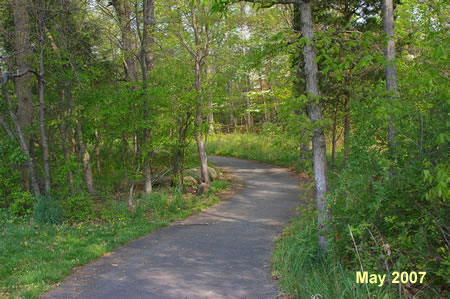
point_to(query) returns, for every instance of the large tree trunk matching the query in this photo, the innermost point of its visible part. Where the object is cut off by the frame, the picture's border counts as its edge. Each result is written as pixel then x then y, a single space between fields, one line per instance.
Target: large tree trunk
pixel 24 58
pixel 389 54
pixel 315 115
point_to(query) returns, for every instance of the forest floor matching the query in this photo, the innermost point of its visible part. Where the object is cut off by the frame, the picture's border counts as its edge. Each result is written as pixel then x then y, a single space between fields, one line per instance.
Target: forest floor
pixel 222 252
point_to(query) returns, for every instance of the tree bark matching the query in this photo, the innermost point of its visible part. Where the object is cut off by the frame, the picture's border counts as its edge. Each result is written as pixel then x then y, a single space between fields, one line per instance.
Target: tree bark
pixel 389 54
pixel 23 144
pixel 44 139
pixel 333 139
pixel 24 58
pixel 198 124
pixel 146 53
pixel 266 114
pixel 315 115
pixel 210 116
pixel 347 125
pixel 123 10
pixel 86 159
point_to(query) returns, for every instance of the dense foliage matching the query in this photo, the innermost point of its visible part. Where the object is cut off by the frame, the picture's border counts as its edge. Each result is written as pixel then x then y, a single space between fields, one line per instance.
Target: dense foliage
pixel 104 100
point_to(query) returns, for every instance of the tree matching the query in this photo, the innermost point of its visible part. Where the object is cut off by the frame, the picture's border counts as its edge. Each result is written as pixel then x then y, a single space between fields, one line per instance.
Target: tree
pixel 389 53
pixel 314 109
pixel 198 18
pixel 24 59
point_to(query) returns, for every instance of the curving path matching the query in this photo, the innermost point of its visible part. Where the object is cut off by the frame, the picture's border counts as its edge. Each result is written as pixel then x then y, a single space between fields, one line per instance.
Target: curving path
pixel 223 252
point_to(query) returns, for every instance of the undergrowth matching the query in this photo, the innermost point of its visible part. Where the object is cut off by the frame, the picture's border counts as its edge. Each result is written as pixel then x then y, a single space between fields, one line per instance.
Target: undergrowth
pixel 34 255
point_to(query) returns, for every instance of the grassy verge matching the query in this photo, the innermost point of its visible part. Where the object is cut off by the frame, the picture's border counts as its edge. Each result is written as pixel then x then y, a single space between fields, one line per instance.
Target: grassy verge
pixel 303 270
pixel 35 256
pixel 256 147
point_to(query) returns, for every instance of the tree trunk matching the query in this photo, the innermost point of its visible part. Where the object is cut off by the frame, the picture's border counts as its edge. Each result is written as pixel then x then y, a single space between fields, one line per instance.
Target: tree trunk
pixel 123 10
pixel 389 54
pixel 266 114
pixel 23 144
pixel 333 139
pixel 210 116
pixel 86 159
pixel 315 115
pixel 44 140
pixel 198 124
pixel 147 42
pixel 24 58
pixel 347 125
pixel 97 154
pixel 248 102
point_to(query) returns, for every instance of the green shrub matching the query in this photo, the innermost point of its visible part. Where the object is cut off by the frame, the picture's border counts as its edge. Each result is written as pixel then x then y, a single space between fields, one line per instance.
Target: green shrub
pixel 47 210
pixel 78 208
pixel 21 203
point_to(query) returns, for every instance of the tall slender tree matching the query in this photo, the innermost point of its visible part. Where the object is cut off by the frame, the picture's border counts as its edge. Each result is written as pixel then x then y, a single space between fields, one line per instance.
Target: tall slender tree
pixel 389 54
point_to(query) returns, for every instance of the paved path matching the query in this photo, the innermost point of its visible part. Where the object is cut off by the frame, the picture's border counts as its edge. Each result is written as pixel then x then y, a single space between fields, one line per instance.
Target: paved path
pixel 223 252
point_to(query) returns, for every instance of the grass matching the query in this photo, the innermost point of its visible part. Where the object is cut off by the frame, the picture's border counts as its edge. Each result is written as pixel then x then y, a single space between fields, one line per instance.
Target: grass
pixel 302 268
pixel 260 148
pixel 305 271
pixel 35 256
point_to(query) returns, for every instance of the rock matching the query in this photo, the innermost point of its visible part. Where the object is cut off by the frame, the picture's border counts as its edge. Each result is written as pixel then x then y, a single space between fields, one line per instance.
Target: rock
pixel 212 173
pixel 165 181
pixel 189 180
pixel 195 172
pixel 203 188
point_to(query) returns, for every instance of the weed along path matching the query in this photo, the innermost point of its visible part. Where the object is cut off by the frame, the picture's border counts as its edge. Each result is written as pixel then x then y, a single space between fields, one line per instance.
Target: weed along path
pixel 223 252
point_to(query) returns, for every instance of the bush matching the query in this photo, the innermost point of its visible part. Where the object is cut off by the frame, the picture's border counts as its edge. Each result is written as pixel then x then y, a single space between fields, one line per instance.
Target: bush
pixel 47 210
pixel 78 208
pixel 21 203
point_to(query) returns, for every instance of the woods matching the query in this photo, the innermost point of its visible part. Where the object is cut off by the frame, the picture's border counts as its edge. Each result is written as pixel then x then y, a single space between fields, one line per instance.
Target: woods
pixel 112 101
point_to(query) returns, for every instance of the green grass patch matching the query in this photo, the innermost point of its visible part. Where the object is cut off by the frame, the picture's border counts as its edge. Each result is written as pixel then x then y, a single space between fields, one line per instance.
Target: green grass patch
pixel 306 271
pixel 34 256
pixel 268 149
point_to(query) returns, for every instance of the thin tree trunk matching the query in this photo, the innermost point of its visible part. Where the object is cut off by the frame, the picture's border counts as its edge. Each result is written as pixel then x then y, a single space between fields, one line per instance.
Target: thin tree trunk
pixel 249 103
pixel 266 115
pixel 198 124
pixel 347 125
pixel 315 115
pixel 124 155
pixel 23 144
pixel 210 116
pixel 86 159
pixel 390 70
pixel 63 133
pixel 44 140
pixel 333 140
pixel 97 154
pixel 232 118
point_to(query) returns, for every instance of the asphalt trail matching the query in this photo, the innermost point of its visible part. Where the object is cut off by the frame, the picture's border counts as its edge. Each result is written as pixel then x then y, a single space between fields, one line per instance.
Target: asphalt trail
pixel 223 252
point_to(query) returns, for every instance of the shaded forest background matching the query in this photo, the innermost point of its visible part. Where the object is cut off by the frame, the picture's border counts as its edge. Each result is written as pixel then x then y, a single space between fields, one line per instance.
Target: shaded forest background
pixel 106 101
